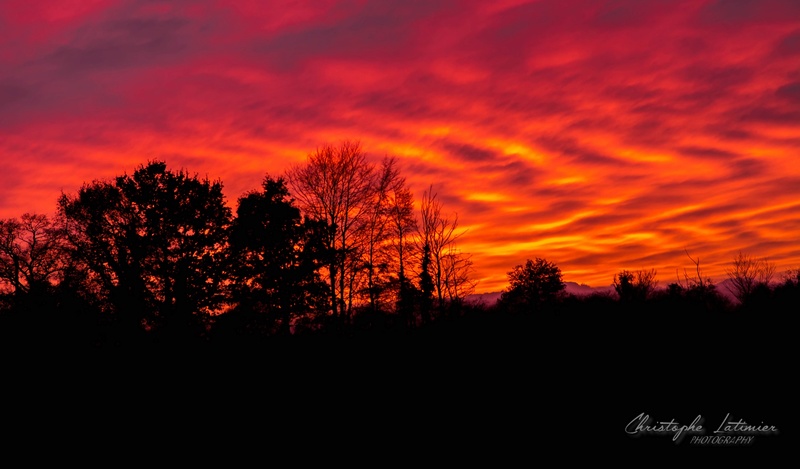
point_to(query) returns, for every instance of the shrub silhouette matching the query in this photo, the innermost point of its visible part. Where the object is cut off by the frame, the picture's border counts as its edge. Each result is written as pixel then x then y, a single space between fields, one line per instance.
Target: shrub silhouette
pixel 635 286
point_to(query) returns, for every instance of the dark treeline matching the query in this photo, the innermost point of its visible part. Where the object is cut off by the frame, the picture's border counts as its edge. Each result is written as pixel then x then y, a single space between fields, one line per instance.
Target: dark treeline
pixel 328 296
pixel 333 248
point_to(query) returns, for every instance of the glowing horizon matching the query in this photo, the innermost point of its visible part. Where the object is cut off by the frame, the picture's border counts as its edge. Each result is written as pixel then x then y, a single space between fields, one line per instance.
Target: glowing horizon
pixel 598 135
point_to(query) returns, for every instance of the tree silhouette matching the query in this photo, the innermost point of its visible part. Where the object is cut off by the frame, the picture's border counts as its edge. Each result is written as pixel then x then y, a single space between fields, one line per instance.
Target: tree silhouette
pixel 337 186
pixel 635 286
pixel 749 277
pixel 33 265
pixel 385 221
pixel 532 286
pixel 437 234
pixel 154 242
pixel 457 274
pixel 276 256
pixel 787 293
pixel 32 253
pixel 695 293
pixel 403 226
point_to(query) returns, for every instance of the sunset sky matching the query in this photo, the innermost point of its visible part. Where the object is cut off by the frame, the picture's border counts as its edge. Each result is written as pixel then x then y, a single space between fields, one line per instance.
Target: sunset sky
pixel 600 135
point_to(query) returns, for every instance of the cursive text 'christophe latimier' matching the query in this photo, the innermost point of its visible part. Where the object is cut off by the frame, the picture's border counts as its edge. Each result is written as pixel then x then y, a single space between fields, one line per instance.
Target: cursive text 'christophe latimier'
pixel 641 425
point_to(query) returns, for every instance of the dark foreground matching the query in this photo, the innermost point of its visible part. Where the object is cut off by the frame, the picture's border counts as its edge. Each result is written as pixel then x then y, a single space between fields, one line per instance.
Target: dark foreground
pixel 497 389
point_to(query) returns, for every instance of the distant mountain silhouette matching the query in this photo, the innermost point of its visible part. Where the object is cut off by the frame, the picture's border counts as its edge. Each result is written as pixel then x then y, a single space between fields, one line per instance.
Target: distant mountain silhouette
pixel 725 288
pixel 573 288
pixel 487 299
pixel 580 289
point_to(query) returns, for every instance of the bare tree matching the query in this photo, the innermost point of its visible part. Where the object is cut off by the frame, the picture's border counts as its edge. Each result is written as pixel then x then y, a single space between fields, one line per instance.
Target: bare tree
pixel 403 226
pixel 437 234
pixel 382 226
pixel 458 272
pixel 337 185
pixel 695 282
pixel 32 252
pixel 747 274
